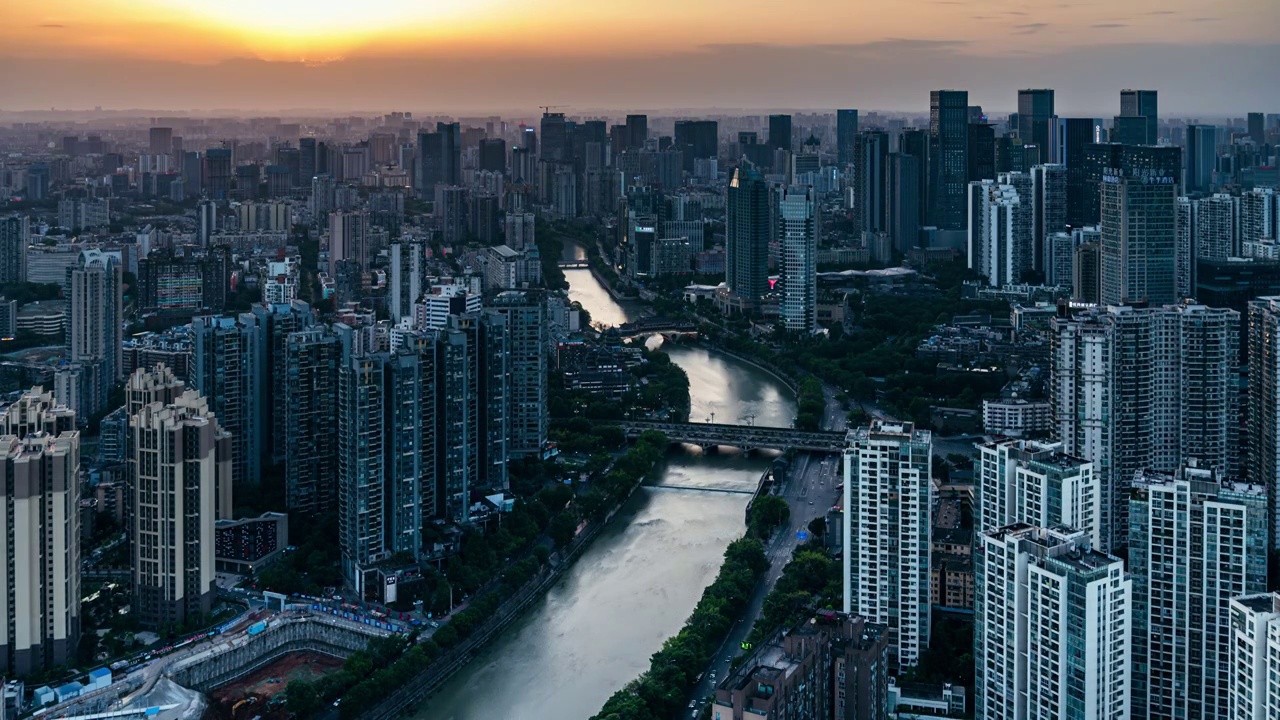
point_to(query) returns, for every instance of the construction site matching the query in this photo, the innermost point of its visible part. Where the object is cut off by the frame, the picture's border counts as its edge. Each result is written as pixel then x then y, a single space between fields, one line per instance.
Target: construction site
pixel 262 692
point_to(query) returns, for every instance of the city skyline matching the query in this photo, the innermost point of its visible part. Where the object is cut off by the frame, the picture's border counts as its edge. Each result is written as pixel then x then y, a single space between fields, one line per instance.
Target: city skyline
pixel 176 54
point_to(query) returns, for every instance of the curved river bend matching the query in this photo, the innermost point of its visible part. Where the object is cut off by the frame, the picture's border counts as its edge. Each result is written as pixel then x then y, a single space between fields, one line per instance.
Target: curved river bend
pixel 635 585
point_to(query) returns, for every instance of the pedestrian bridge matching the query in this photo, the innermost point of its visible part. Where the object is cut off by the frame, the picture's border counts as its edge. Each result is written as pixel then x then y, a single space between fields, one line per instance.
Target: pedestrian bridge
pixel 747 437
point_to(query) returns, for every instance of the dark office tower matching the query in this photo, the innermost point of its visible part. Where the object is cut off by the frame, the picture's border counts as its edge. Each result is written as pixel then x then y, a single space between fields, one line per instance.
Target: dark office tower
pixel 637 132
pixel 982 152
pixel 529 139
pixel 161 140
pixel 1148 159
pixel 1049 187
pixel 291 159
pixel 915 142
pixel 871 161
pixel 493 155
pixel 306 160
pixel 1201 158
pixel 15 233
pixel 1129 130
pixel 780 131
pixel 1072 138
pixel 38 182
pixel 322 158
pixel 903 198
pixel 248 177
pixel 948 158
pixel 526 318
pixel 1035 117
pixel 1258 127
pixel 1139 236
pixel 555 137
pixel 217 175
pixel 746 229
pixel 450 152
pixel 846 136
pixel 1142 103
pixel 697 139
pixel 228 366
pixel 310 382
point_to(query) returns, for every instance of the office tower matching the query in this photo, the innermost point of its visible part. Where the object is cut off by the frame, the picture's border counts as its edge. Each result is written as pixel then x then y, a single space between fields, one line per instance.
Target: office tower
pixel 361 480
pixel 1025 481
pixel 525 314
pixel 1073 137
pixel 161 140
pixel 1049 208
pixel 1139 236
pixel 871 160
pixel 1259 215
pixel 306 160
pixel 181 485
pixel 846 136
pixel 217 173
pixel 798 227
pixel 1052 621
pixel 1202 158
pixel 311 360
pixel 439 157
pixel 948 157
pixel 406 273
pixel 348 238
pixel 903 197
pixel 192 174
pixel 1035 117
pixel 1216 221
pixel 15 233
pixel 1086 282
pixel 493 155
pixel 1257 128
pixel 982 152
pixel 1135 389
pixel 94 315
pixel 696 139
pixel 290 158
pixel 747 236
pixel 1000 222
pixel 229 367
pixel 1255 657
pixel 1129 130
pixel 1102 159
pixel 1264 403
pixel 915 142
pixel 518 231
pixel 780 131
pixel 40 593
pixel 554 132
pixel 888 533
pixel 1142 103
pixel 637 132
pixel 1195 542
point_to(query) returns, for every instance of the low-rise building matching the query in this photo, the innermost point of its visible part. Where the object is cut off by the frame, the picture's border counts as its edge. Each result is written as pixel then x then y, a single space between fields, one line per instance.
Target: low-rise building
pixel 1016 417
pixel 242 546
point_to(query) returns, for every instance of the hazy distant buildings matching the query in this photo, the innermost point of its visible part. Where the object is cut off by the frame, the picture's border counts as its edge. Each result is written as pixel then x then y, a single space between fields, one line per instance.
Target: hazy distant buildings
pixel 846 136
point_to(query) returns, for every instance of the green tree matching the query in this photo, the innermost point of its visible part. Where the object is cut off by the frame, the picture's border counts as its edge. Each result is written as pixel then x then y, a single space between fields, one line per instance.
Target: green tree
pixel 302 698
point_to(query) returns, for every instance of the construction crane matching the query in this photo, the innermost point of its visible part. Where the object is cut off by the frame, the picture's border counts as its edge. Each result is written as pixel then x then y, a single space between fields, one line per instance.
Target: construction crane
pixel 548 108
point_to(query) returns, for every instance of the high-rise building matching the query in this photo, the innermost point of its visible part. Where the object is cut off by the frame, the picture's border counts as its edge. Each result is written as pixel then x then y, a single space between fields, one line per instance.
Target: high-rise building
pixel 1129 130
pixel 1142 103
pixel 1216 223
pixel 1052 621
pixel 407 271
pixel 439 160
pixel 1186 250
pixel 747 236
pixel 493 155
pixel 1086 277
pixel 555 138
pixel 311 360
pixel 161 140
pixel 1101 160
pixel 888 533
pixel 1139 237
pixel 982 152
pixel 1259 215
pixel 1257 128
pixel 696 139
pixel 948 157
pixel 1036 118
pixel 229 367
pixel 518 231
pixel 526 331
pixel 361 460
pixel 1000 223
pixel 903 197
pixel 450 213
pixel 1254 657
pixel 1264 403
pixel 1135 389
pixel 780 132
pixel 15 234
pixel 798 228
pixel 915 142
pixel 1195 542
pixel 1202 158
pixel 1049 208
pixel 180 473
pixel 846 136
pixel 95 305
pixel 1024 481
pixel 348 238
pixel 871 160
pixel 216 174
pixel 40 592
pixel 1072 138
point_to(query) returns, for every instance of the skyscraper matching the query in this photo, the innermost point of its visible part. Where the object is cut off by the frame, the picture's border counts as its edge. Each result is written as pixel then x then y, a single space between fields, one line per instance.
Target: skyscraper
pixel 493 155
pixel 1202 158
pixel 555 138
pixel 1135 389
pixel 1264 403
pixel 846 136
pixel 888 533
pixel 1049 209
pixel 1000 222
pixel 310 410
pixel 696 139
pixel 348 238
pixel 525 314
pixel 439 159
pixel 1217 219
pixel 15 233
pixel 798 228
pixel 982 152
pixel 1102 159
pixel 95 305
pixel 229 367
pixel 1257 128
pixel 1052 621
pixel 747 236
pixel 161 140
pixel 216 173
pixel 1254 657
pixel 180 473
pixel 780 131
pixel 637 131
pixel 1259 215
pixel 40 592
pixel 1139 237
pixel 361 461
pixel 1024 481
pixel 870 180
pixel 407 271
pixel 1195 542
pixel 948 157
pixel 915 142
pixel 1035 118
pixel 903 197
pixel 1073 138
pixel 1142 103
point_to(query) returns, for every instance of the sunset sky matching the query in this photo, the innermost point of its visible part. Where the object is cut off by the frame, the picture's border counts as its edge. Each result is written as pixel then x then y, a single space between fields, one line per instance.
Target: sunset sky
pixel 463 54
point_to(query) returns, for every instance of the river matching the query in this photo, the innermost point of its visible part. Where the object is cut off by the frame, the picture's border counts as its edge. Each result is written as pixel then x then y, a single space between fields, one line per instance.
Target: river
pixel 639 580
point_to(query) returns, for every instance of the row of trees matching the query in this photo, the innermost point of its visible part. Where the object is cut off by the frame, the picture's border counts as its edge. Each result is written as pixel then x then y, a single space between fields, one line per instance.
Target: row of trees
pixel 661 690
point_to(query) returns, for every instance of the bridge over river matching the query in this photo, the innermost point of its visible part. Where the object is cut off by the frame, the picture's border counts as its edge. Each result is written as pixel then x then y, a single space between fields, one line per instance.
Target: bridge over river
pixel 747 437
